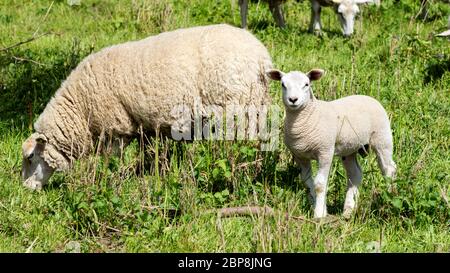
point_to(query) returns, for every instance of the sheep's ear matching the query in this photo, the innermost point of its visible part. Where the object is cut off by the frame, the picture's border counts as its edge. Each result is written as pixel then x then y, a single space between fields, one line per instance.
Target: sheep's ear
pixel 275 74
pixel 40 138
pixel 34 144
pixel 315 74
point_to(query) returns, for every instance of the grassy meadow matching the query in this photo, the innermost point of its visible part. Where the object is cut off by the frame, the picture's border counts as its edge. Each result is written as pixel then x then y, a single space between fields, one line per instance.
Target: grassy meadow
pixel 160 199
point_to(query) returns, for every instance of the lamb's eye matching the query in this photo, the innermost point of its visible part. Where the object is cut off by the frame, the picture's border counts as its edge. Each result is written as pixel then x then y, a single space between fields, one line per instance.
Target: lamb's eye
pixel 307 84
pixel 30 156
pixel 282 84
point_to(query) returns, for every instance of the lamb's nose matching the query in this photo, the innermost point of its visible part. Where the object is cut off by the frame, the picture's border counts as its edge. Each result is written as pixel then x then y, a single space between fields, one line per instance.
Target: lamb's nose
pixel 293 100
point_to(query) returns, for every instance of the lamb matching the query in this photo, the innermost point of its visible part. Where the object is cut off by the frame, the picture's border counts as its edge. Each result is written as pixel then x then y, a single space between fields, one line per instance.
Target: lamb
pixel 274 6
pixel 345 9
pixel 315 129
pixel 132 87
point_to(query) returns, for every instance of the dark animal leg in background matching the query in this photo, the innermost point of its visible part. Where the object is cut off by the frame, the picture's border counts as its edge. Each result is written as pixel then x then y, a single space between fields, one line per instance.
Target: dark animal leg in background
pixel 243 5
pixel 275 8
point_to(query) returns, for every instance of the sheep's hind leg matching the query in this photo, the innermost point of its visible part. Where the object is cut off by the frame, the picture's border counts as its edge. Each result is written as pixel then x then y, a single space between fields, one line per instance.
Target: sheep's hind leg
pixel 320 185
pixel 307 177
pixel 354 175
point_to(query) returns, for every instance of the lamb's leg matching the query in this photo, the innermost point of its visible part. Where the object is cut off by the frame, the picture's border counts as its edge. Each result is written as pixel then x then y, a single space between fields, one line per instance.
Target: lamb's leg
pixel 387 164
pixel 354 174
pixel 307 177
pixel 320 185
pixel 275 8
pixel 243 4
pixel 383 147
pixel 385 161
pixel 315 24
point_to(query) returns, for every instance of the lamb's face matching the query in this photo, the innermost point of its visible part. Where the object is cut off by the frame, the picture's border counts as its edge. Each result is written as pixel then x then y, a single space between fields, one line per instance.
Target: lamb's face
pixel 296 86
pixel 35 171
pixel 296 90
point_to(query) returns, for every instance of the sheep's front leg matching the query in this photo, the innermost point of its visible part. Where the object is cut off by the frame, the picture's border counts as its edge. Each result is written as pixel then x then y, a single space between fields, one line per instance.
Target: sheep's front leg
pixel 243 4
pixel 320 185
pixel 315 24
pixel 307 177
pixel 354 174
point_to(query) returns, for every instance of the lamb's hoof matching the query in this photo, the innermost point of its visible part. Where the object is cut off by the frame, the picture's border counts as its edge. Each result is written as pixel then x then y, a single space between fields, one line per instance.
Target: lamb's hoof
pixel 328 219
pixel 392 188
pixel 347 214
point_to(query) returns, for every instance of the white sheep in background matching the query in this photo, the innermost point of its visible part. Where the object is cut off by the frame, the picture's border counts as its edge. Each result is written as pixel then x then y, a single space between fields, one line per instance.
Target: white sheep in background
pixel 113 93
pixel 447 32
pixel 274 6
pixel 345 9
pixel 315 129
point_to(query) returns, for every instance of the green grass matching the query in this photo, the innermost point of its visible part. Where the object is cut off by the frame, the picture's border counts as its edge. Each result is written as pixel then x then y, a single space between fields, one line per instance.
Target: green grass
pixel 104 204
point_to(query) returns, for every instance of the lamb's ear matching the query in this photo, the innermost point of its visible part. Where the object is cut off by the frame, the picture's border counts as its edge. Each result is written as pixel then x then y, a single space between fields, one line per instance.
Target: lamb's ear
pixel 315 74
pixel 274 74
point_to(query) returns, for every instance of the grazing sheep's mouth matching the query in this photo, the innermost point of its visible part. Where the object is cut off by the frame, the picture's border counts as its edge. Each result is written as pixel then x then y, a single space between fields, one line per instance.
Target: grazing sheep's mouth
pixel 32 184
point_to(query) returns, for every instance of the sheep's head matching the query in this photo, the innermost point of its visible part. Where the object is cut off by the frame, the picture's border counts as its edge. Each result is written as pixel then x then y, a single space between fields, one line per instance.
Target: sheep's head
pixel 36 164
pixel 296 86
pixel 347 10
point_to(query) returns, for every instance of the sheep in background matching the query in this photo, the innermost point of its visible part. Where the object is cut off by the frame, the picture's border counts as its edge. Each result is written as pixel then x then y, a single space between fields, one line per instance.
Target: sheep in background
pixel 345 9
pixel 315 129
pixel 115 92
pixel 447 32
pixel 274 6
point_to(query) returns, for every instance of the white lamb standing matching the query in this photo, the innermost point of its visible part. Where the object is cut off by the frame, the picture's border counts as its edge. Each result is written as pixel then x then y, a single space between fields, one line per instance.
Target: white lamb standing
pixel 120 89
pixel 315 129
pixel 345 9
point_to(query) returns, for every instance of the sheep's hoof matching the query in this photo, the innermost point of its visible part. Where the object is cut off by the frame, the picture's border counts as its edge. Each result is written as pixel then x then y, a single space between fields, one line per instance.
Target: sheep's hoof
pixel 33 185
pixel 317 32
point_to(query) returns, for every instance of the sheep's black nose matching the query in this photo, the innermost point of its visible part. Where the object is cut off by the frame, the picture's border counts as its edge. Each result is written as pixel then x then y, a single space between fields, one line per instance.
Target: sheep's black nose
pixel 293 100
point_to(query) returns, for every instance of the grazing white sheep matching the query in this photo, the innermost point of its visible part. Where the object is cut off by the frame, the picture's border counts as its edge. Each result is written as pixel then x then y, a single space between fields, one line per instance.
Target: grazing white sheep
pixel 122 88
pixel 315 129
pixel 345 9
pixel 274 6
